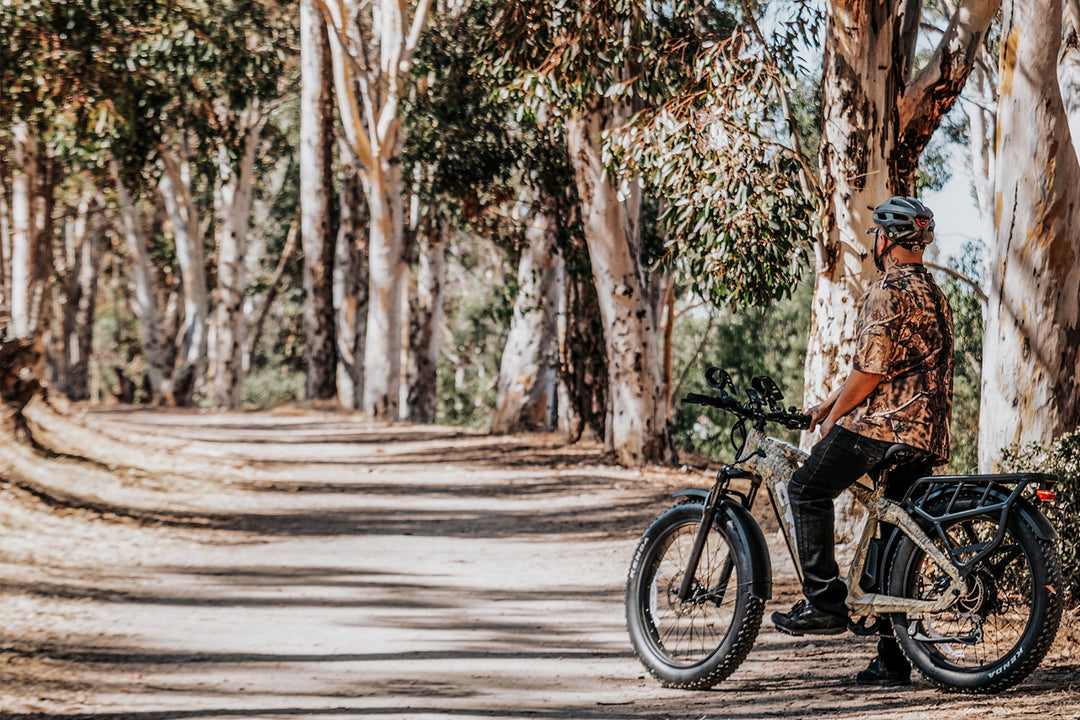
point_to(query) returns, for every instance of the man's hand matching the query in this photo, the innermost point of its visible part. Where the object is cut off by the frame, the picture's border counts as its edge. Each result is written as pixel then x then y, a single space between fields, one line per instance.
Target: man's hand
pixel 818 413
pixel 855 389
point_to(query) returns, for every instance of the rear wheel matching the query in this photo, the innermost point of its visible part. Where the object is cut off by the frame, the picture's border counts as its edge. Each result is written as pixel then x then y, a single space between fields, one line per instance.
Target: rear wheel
pixel 998 631
pixel 696 643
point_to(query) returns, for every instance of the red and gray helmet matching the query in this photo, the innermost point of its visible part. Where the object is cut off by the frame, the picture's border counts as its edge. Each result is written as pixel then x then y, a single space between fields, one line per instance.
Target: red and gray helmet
pixel 904 221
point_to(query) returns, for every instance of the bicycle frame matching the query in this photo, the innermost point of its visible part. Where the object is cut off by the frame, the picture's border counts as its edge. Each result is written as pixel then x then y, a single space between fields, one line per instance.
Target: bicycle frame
pixel 773 461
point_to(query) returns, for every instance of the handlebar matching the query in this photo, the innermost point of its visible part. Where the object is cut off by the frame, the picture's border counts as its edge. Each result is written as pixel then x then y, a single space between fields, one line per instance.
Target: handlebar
pixel 765 390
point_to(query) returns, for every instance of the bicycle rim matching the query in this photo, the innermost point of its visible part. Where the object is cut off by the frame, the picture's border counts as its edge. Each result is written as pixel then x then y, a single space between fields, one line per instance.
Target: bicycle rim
pixel 686 633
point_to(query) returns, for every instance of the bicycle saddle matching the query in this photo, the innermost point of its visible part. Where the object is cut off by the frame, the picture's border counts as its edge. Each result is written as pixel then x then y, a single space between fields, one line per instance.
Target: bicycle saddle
pixel 901 454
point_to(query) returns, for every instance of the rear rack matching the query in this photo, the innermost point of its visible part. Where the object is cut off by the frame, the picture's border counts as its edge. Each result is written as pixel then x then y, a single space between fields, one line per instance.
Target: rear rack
pixel 941 500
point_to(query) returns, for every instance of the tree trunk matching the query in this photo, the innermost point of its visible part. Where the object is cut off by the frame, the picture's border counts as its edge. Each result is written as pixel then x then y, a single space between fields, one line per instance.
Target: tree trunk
pixel 583 373
pixel 350 286
pixel 145 302
pixel 527 397
pixel 1031 346
pixel 316 164
pixel 23 241
pixel 876 120
pixel 175 185
pixel 84 256
pixel 1068 69
pixel 271 292
pixel 639 430
pixel 234 203
pixel 382 345
pixel 859 128
pixel 368 103
pixel 425 319
pixel 5 250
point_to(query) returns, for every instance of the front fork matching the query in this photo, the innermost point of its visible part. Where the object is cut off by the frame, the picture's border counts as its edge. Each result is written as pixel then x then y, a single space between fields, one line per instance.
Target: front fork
pixel 707 515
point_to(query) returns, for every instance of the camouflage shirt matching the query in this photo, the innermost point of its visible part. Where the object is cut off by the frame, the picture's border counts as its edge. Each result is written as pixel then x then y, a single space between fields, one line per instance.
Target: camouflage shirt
pixel 906 336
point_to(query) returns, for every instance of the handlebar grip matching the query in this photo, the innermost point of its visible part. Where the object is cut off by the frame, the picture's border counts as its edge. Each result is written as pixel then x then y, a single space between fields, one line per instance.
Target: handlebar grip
pixel 696 399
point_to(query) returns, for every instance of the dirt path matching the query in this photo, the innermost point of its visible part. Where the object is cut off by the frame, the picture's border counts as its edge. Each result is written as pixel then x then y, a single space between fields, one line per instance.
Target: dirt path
pixel 336 569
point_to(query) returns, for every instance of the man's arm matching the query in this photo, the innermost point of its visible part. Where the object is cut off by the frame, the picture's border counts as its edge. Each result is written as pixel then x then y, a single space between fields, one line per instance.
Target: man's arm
pixel 855 389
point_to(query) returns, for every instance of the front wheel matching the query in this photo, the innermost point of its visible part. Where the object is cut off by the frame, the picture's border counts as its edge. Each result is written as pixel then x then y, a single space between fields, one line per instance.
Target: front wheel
pixel 696 643
pixel 1000 628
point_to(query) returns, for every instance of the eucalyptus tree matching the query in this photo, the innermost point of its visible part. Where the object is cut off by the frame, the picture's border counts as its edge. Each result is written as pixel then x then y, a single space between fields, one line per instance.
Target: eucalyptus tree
pixel 589 67
pixel 373 47
pixel 476 169
pixel 1031 350
pixel 1068 69
pixel 879 110
pixel 316 168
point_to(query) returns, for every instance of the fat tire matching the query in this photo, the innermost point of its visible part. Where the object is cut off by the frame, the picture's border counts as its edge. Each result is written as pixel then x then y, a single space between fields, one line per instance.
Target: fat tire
pixel 742 631
pixel 1038 634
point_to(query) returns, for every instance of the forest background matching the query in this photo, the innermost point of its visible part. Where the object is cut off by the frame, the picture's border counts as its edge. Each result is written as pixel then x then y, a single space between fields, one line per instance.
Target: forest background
pixel 532 215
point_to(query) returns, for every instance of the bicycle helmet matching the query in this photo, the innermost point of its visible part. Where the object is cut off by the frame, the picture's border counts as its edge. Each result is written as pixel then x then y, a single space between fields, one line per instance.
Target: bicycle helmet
pixel 904 221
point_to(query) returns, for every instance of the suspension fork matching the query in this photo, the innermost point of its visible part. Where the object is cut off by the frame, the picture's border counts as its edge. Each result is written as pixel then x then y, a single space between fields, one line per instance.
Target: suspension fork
pixel 708 514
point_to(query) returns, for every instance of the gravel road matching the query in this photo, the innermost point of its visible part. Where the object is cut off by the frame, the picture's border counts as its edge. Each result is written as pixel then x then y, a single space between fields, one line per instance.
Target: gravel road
pixel 332 568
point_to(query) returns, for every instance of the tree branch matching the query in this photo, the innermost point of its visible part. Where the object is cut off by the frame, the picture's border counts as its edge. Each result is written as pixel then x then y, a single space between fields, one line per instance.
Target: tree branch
pixel 933 90
pixel 806 180
pixel 344 65
pixel 957 275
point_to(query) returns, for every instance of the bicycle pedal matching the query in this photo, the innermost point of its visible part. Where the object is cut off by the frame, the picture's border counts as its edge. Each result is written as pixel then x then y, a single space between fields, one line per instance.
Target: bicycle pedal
pixel 866 626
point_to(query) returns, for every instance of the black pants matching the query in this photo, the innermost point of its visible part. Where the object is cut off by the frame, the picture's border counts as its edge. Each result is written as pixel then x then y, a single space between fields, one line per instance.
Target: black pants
pixel 835 463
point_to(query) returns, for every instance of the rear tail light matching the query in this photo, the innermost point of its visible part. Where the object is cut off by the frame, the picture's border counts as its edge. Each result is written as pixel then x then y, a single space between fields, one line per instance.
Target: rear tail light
pixel 1046 495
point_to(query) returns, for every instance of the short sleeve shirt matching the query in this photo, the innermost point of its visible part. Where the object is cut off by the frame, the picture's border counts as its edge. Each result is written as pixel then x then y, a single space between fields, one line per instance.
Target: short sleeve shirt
pixel 906 336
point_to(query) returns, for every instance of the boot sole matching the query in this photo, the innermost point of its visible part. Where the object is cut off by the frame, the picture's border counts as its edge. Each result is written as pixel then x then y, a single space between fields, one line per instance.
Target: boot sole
pixel 800 633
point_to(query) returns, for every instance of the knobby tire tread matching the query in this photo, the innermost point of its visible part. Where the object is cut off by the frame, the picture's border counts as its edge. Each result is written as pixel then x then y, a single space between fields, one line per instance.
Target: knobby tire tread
pixel 1034 650
pixel 1041 645
pixel 744 641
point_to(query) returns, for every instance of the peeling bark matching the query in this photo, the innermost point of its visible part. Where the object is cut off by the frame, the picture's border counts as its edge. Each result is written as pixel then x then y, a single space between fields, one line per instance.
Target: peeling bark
pixel 1031 346
pixel 175 187
pixel 1068 70
pixel 316 162
pixel 876 121
pixel 527 397
pixel 350 286
pixel 234 195
pixel 638 426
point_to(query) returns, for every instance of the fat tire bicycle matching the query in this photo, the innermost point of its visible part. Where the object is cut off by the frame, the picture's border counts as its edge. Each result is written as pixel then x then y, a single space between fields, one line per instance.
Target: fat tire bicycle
pixel 964 567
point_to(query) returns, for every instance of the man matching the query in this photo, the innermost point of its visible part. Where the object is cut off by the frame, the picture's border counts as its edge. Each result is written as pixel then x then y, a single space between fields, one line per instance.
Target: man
pixel 899 391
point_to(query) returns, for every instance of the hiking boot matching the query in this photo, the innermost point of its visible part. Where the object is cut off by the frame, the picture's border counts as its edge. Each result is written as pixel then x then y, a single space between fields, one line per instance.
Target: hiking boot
pixel 805 619
pixel 880 674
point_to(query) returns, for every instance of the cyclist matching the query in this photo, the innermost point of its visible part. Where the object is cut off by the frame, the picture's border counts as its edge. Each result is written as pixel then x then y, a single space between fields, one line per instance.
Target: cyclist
pixel 899 391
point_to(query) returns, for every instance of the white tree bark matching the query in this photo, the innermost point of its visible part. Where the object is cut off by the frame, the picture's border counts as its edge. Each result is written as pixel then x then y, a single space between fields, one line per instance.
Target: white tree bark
pixel 175 186
pixel 382 344
pixel 877 118
pixel 527 392
pixel 316 138
pixel 1068 70
pixel 145 304
pixel 638 425
pixel 23 240
pixel 1031 347
pixel 368 71
pixel 234 206
pixel 350 286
